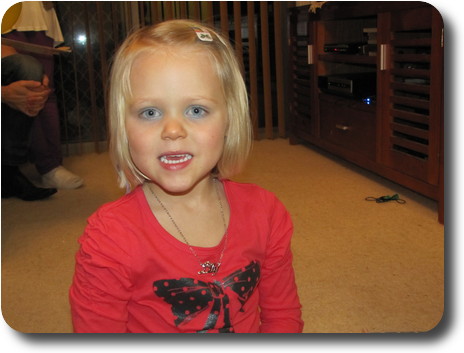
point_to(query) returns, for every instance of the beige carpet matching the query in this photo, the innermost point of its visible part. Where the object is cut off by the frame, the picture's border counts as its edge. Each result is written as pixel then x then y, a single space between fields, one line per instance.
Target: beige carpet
pixel 360 266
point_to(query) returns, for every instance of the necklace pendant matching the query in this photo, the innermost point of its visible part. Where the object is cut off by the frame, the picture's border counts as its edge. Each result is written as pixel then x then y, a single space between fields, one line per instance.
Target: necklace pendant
pixel 208 268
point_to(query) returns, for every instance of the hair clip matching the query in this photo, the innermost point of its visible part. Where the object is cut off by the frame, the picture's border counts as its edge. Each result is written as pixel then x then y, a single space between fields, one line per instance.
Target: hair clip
pixel 203 34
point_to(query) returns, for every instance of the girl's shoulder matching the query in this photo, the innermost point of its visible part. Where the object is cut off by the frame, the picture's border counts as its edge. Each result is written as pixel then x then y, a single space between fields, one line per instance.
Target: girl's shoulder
pixel 126 205
pixel 249 191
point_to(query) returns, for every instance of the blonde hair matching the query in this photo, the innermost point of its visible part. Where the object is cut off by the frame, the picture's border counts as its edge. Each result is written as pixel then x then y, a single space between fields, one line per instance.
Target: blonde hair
pixel 237 143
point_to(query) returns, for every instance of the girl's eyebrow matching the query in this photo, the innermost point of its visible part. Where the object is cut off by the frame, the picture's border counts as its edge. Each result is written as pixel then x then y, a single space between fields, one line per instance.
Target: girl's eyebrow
pixel 200 98
pixel 143 100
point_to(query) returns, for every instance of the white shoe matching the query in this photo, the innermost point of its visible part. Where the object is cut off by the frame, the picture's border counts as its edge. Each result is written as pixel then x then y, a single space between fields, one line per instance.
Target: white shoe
pixel 61 178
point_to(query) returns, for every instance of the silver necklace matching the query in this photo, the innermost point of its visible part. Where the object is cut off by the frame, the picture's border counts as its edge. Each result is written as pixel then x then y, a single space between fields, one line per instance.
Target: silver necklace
pixel 207 267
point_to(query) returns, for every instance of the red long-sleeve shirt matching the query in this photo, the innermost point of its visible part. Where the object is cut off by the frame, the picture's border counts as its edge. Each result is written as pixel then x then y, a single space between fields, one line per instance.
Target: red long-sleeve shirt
pixel 133 276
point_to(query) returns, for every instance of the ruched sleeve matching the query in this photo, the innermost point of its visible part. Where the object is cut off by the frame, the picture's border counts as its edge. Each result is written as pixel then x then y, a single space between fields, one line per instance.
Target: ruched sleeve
pixel 102 280
pixel 279 302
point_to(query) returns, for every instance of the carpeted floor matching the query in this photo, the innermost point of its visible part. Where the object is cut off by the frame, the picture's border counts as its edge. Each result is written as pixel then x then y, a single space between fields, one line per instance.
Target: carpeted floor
pixel 360 266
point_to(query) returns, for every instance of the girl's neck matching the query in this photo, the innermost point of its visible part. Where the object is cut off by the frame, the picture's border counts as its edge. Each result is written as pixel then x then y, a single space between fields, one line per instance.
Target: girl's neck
pixel 201 192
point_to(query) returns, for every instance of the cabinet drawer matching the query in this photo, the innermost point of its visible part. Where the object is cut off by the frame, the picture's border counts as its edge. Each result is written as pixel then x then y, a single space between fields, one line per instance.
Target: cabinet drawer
pixel 343 123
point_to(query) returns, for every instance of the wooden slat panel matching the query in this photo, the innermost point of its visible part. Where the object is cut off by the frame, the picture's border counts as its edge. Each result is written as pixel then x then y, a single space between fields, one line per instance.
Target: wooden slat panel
pixel 412 58
pixel 436 96
pixel 280 80
pixel 302 82
pixel 141 13
pixel 303 111
pixel 115 22
pixel 301 52
pixel 92 88
pixel 409 130
pixel 412 20
pixel 411 73
pixel 194 10
pixel 76 86
pixel 302 101
pixel 408 87
pixel 410 145
pixel 183 8
pixel 224 19
pixel 411 42
pixel 301 62
pixel 410 102
pixel 155 12
pixel 414 117
pixel 207 12
pixel 238 31
pixel 127 23
pixel 134 15
pixel 253 78
pixel 301 71
pixel 268 128
pixel 301 115
pixel 103 59
pixel 168 10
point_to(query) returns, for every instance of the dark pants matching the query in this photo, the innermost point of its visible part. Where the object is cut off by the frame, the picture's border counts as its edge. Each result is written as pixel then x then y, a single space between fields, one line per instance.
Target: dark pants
pixel 45 151
pixel 17 126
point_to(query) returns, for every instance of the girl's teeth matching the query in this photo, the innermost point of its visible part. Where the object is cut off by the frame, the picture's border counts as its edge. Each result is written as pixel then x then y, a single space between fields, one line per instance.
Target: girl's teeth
pixel 175 159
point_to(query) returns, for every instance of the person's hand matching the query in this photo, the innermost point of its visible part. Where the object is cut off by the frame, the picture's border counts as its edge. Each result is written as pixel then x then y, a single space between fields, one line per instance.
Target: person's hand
pixel 28 97
pixel 45 81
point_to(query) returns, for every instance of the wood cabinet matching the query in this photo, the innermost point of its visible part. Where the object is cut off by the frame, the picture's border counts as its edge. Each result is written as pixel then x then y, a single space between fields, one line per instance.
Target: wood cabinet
pixel 394 126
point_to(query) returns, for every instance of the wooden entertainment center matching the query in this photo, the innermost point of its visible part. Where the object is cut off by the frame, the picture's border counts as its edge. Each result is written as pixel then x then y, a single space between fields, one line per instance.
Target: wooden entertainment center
pixel 394 129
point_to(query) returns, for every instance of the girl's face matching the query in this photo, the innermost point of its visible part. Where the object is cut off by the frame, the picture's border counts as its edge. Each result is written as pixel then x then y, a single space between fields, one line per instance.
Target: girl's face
pixel 177 118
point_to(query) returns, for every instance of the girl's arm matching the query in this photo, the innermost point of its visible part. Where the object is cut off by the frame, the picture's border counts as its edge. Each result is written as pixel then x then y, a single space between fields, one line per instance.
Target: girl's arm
pixel 101 284
pixel 279 302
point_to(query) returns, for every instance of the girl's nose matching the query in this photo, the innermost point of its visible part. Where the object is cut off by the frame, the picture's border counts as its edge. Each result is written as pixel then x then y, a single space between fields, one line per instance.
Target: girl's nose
pixel 173 129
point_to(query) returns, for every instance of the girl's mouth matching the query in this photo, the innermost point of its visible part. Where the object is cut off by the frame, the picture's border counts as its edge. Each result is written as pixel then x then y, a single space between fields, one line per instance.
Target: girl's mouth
pixel 173 159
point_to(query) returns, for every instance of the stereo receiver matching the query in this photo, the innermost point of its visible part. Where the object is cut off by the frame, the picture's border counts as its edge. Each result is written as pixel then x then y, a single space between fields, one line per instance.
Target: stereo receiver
pixel 359 85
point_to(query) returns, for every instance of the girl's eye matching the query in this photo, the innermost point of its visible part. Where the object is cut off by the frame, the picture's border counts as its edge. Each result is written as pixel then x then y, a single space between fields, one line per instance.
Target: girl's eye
pixel 150 113
pixel 196 112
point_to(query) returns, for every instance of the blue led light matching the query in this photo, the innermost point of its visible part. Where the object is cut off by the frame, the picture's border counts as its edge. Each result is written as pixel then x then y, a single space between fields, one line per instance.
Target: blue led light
pixel 369 100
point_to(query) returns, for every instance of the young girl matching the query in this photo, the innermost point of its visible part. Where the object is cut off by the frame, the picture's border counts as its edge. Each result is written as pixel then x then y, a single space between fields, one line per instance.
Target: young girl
pixel 187 250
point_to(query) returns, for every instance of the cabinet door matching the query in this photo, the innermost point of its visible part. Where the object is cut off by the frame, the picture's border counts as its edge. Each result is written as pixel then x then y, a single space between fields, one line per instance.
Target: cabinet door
pixel 348 124
pixel 301 80
pixel 411 71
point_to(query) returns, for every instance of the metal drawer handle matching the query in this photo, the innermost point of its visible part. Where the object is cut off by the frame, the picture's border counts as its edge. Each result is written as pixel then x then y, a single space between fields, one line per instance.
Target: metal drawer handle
pixel 310 54
pixel 342 127
pixel 383 57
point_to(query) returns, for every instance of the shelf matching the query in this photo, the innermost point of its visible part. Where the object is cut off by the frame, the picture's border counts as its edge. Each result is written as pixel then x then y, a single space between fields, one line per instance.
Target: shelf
pixel 349 59
pixel 353 103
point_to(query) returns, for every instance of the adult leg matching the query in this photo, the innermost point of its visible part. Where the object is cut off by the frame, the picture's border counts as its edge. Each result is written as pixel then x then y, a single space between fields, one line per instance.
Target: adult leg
pixel 16 131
